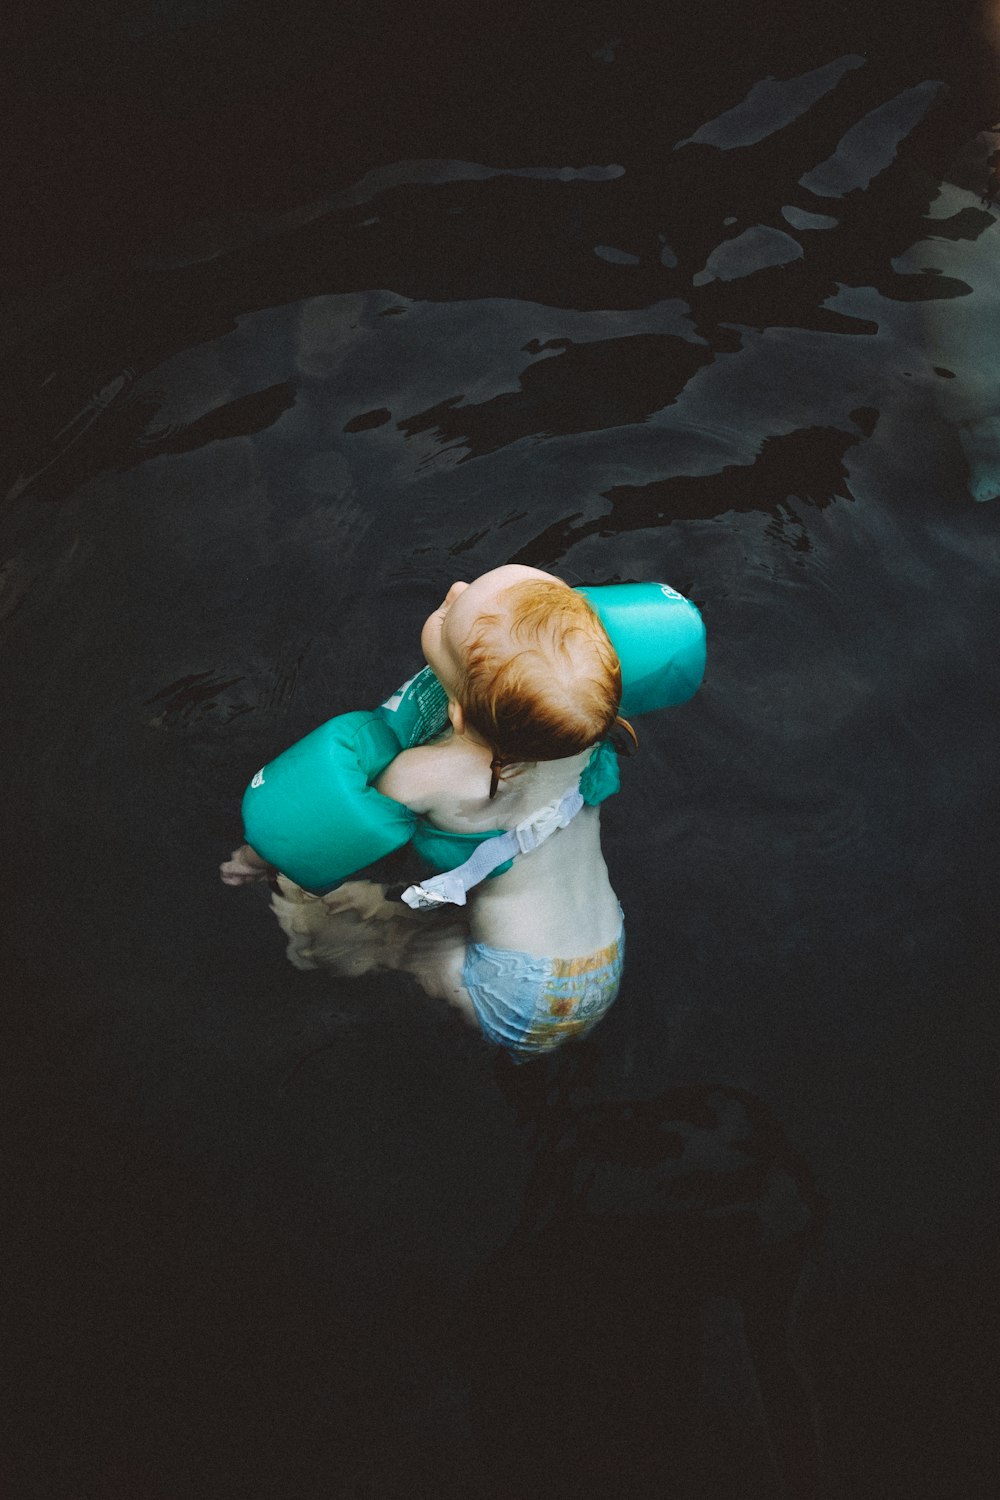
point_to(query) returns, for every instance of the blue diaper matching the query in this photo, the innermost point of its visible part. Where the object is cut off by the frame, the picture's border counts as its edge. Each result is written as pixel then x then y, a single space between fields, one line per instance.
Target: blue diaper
pixel 530 1005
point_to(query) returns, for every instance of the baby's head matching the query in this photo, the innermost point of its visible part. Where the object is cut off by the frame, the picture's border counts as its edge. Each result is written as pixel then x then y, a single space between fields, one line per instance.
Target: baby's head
pixel 526 663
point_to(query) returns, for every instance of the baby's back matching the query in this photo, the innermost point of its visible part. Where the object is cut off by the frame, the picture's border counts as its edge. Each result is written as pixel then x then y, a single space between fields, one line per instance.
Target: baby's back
pixel 556 901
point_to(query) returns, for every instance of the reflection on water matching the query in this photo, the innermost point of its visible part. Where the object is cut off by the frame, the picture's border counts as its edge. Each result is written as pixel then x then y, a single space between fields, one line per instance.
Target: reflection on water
pixel 752 355
pixel 770 105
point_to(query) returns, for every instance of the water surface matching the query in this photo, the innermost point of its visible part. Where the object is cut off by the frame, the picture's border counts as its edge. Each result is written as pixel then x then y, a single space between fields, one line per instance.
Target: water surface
pixel 725 322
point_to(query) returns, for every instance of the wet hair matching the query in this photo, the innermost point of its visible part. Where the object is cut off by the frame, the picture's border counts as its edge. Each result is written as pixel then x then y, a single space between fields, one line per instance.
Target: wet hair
pixel 541 680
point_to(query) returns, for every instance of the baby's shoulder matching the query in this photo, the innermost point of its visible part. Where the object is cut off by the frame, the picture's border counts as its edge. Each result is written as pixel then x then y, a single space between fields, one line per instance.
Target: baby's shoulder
pixel 420 777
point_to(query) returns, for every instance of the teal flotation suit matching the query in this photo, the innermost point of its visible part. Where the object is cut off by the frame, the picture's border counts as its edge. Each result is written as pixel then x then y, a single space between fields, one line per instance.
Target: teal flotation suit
pixel 314 813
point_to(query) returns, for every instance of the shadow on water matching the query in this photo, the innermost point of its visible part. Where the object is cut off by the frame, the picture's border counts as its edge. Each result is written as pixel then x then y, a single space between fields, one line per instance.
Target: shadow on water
pixel 636 1333
pixel 669 295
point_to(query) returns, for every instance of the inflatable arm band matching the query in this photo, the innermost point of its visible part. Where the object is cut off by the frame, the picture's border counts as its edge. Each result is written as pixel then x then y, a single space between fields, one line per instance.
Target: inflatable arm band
pixel 660 640
pixel 313 811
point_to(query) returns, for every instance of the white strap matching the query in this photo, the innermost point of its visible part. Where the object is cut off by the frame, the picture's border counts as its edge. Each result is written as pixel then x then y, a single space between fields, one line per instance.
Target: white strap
pixel 450 888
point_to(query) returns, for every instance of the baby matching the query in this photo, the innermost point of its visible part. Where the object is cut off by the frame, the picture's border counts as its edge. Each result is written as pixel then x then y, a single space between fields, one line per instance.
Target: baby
pixel 533 685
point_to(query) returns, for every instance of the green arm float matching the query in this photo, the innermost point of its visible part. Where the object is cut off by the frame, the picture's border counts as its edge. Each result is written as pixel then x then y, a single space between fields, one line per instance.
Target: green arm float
pixel 660 640
pixel 313 811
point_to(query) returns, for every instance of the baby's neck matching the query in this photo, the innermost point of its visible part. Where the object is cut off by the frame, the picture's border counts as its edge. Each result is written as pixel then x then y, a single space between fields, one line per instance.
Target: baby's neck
pixel 543 778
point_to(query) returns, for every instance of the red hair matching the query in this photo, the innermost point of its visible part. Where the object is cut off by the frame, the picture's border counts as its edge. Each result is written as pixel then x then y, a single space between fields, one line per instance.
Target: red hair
pixel 541 680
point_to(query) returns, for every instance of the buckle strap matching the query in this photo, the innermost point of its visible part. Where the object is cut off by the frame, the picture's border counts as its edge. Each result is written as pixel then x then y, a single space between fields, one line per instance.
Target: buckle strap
pixel 531 832
pixel 450 888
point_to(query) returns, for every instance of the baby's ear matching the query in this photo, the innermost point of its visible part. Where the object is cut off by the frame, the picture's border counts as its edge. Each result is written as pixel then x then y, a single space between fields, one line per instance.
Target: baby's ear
pixel 457 716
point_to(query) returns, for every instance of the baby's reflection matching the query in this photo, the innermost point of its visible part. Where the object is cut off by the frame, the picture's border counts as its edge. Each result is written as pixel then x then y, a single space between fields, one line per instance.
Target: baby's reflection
pixel 357 930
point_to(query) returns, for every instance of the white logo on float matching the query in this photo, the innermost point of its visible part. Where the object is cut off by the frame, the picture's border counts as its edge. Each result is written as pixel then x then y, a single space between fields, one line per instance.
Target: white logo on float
pixel 669 593
pixel 259 778
pixel 393 703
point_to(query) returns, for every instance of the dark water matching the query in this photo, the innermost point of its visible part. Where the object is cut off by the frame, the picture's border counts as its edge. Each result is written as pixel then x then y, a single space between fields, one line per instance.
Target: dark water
pixel 307 315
